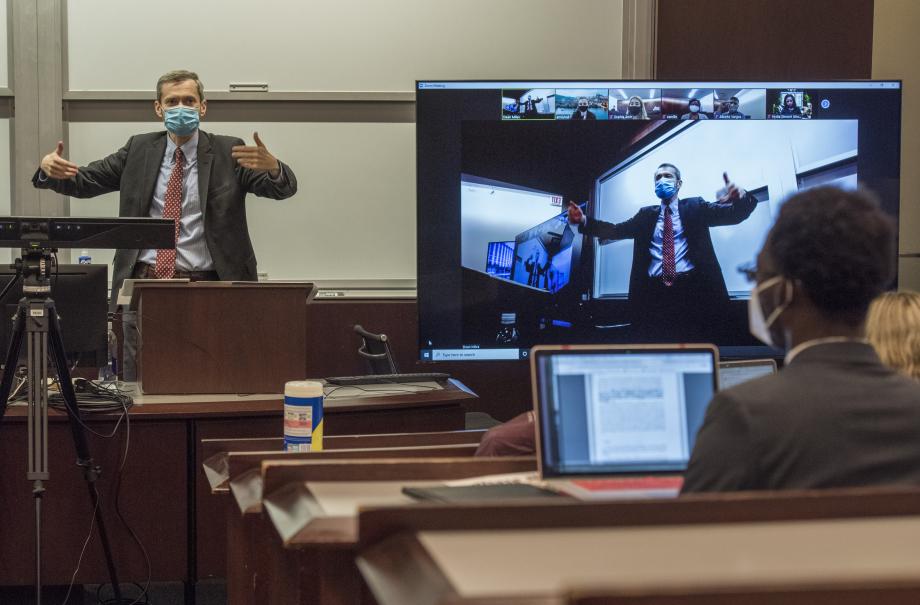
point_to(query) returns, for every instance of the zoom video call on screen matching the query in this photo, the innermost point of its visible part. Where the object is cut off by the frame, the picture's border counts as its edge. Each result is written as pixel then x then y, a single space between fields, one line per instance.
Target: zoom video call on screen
pixel 500 269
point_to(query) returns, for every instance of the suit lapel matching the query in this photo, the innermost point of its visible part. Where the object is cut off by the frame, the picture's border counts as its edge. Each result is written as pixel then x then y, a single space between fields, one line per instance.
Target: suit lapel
pixel 652 218
pixel 153 159
pixel 204 170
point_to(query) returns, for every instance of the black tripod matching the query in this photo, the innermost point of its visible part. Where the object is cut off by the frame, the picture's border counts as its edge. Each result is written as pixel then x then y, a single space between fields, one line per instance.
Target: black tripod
pixel 36 320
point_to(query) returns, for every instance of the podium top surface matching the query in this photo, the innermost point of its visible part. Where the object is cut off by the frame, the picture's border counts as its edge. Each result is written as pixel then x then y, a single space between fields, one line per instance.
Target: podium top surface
pixel 132 289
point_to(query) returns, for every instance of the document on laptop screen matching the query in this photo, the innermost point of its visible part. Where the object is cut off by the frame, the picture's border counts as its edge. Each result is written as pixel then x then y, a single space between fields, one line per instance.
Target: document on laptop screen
pixel 635 415
pixel 638 409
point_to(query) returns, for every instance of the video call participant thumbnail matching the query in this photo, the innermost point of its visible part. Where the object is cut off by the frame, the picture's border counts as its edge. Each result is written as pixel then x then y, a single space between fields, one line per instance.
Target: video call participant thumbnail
pixel 730 111
pixel 676 288
pixel 791 105
pixel 635 104
pixel 582 111
pixel 835 415
pixel 694 111
pixel 529 104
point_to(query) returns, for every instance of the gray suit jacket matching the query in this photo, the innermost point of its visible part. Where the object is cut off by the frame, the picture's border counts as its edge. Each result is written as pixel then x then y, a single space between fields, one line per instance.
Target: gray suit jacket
pixel 222 184
pixel 834 417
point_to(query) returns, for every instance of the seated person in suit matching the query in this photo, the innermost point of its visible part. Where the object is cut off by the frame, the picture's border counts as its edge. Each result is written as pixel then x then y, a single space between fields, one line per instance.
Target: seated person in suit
pixel 893 328
pixel 196 178
pixel 835 415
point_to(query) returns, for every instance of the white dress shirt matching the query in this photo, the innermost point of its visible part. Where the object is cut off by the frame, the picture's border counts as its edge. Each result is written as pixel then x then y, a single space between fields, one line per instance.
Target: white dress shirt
pixel 682 263
pixel 192 248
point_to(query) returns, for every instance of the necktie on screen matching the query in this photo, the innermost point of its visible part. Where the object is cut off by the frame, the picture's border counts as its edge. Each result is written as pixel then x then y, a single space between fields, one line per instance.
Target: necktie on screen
pixel 172 208
pixel 668 264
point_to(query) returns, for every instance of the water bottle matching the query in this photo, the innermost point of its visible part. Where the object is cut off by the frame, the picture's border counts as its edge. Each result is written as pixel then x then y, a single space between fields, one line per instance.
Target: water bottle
pixel 85 258
pixel 109 372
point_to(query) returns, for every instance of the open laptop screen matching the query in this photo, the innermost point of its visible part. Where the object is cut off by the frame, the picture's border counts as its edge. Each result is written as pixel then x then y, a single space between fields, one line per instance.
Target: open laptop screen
pixel 732 373
pixel 620 410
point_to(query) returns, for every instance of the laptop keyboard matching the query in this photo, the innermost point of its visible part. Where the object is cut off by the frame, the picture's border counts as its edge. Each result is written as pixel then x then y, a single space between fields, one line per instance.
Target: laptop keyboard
pixel 629 483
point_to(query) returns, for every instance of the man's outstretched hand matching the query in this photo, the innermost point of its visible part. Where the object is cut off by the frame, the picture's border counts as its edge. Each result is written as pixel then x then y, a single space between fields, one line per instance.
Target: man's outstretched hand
pixel 576 216
pixel 256 157
pixel 56 166
pixel 732 191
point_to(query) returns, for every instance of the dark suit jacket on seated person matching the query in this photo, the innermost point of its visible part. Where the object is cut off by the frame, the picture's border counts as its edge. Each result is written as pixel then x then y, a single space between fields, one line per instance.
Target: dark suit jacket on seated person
pixel 835 416
pixel 696 217
pixel 222 183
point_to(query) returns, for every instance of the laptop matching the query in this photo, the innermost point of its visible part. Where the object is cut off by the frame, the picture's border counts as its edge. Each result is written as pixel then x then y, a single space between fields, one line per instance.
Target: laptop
pixel 611 421
pixel 732 373
pixel 619 421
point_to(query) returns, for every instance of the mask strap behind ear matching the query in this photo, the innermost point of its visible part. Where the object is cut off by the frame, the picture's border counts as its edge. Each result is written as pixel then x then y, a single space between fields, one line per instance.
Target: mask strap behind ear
pixel 789 293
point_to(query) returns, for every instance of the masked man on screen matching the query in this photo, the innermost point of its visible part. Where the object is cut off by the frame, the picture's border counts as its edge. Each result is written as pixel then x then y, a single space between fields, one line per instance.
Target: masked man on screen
pixel 676 288
pixel 196 178
pixel 582 112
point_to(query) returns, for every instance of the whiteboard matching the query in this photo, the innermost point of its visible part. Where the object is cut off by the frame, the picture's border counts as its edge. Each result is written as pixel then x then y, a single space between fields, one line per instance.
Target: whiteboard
pixel 353 216
pixel 4 46
pixel 361 45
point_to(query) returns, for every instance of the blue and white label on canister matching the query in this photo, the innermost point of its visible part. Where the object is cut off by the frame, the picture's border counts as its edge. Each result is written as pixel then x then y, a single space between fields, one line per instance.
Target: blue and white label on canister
pixel 303 416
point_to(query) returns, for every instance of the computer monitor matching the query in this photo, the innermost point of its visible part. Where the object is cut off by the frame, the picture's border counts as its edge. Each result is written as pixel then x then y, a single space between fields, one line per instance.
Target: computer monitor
pixel 498 161
pixel 80 294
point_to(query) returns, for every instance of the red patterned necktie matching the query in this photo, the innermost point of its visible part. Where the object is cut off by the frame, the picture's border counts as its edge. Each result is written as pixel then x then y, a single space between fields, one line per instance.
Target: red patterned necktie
pixel 172 208
pixel 668 264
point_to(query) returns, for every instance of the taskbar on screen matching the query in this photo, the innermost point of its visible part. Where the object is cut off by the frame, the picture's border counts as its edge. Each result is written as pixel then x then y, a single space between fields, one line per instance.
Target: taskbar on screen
pixel 473 354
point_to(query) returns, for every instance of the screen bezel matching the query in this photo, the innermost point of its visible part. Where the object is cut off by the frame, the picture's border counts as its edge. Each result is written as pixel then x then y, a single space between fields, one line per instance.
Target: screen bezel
pixel 540 352
pixel 727 351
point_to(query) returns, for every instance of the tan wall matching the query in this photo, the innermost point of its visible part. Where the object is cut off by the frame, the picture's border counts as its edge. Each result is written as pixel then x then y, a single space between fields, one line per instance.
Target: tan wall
pixel 896 54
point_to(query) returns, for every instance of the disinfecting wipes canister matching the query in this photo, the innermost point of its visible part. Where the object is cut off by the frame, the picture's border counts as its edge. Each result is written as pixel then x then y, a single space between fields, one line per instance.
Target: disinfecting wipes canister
pixel 303 416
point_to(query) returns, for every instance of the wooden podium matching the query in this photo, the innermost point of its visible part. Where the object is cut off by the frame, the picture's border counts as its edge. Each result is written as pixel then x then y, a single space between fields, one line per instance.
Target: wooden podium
pixel 220 337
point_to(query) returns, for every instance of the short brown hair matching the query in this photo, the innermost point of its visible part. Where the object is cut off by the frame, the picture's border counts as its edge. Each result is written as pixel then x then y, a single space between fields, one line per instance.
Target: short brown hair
pixel 893 328
pixel 179 75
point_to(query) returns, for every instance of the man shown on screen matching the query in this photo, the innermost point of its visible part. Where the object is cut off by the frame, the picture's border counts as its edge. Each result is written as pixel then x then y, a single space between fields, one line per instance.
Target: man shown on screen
pixel 695 113
pixel 581 112
pixel 732 113
pixel 196 178
pixel 676 286
pixel 530 106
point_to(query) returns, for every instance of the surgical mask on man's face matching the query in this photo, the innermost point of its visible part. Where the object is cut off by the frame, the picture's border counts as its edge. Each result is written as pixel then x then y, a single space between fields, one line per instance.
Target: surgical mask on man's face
pixel 582 108
pixel 665 188
pixel 694 108
pixel 181 121
pixel 758 325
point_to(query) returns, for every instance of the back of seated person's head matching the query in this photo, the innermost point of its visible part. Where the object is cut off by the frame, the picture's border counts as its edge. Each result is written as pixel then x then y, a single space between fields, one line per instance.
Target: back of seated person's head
pixel 835 251
pixel 893 328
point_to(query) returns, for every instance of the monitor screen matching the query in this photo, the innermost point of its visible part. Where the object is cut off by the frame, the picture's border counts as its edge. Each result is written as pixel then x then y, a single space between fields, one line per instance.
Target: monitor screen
pixel 500 269
pixel 611 411
pixel 80 294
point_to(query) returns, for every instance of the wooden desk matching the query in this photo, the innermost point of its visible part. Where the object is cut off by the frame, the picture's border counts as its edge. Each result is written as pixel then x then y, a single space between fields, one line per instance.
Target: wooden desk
pixel 314 560
pixel 216 452
pixel 907 593
pixel 538 553
pixel 164 490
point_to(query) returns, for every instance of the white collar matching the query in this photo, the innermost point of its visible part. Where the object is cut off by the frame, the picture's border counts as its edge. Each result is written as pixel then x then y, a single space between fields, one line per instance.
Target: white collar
pixel 794 351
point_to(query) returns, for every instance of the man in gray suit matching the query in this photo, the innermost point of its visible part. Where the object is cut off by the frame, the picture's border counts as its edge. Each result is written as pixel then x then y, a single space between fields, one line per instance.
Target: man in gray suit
pixel 834 416
pixel 197 178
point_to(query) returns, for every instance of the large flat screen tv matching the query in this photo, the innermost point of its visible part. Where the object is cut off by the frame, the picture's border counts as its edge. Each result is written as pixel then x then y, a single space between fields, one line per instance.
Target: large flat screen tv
pixel 499 267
